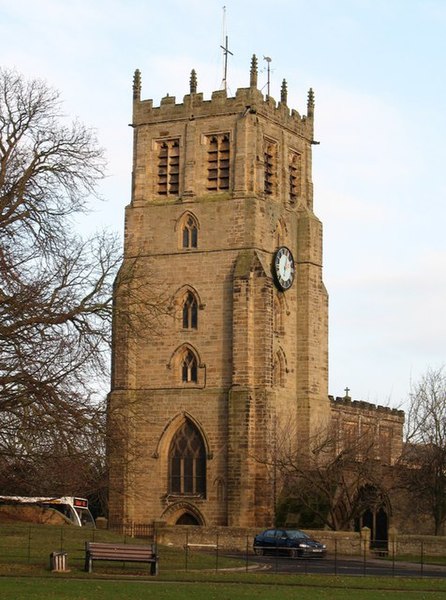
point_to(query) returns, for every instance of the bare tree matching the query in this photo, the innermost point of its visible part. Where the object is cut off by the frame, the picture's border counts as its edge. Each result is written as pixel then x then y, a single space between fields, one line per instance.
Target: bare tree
pixel 424 460
pixel 329 486
pixel 56 298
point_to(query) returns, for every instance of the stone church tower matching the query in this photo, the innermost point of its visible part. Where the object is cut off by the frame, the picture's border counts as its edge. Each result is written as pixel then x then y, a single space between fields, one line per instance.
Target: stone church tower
pixel 221 221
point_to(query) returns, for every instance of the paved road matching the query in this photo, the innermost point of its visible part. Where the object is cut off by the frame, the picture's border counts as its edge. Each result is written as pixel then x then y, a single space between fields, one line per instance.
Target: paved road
pixel 346 566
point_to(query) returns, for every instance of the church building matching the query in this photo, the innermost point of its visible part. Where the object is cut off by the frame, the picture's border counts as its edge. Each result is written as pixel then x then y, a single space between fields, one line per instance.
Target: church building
pixel 221 224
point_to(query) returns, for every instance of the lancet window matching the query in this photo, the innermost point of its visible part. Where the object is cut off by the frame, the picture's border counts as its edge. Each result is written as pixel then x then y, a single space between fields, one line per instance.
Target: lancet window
pixel 189 367
pixel 189 232
pixel 190 311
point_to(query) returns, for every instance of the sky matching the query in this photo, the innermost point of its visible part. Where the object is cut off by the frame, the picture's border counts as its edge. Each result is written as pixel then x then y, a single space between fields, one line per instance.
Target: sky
pixel 377 69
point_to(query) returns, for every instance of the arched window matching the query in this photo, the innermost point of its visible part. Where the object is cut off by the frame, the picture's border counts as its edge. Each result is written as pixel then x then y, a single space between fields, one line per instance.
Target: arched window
pixel 190 233
pixel 190 312
pixel 189 368
pixel 187 461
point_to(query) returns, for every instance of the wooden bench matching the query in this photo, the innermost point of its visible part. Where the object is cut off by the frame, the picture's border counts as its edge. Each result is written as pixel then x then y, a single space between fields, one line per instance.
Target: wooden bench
pixel 121 553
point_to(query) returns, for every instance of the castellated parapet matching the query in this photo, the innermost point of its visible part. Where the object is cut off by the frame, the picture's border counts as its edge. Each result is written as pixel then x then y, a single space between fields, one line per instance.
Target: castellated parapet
pixel 246 101
pixel 382 426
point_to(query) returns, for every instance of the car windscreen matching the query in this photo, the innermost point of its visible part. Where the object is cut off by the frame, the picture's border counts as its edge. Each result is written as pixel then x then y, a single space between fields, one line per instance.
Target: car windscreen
pixel 295 533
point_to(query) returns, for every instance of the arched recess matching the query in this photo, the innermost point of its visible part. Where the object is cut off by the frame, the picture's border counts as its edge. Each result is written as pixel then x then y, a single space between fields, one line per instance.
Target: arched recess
pixel 279 368
pixel 187 227
pixel 186 365
pixel 374 513
pixel 281 232
pixel 279 314
pixel 220 487
pixel 183 513
pixel 187 305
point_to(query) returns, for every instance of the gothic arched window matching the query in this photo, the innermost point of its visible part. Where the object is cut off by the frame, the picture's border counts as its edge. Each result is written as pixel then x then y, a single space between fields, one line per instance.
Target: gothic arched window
pixel 190 312
pixel 189 232
pixel 187 461
pixel 189 367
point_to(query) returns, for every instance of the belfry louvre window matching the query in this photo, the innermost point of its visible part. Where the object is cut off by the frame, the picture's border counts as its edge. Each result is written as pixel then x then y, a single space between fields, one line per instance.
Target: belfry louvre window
pixel 168 167
pixel 218 162
pixel 270 164
pixel 187 461
pixel 190 312
pixel 295 167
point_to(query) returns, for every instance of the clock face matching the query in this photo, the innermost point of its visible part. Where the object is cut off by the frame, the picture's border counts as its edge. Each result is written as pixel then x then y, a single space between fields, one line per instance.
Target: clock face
pixel 284 268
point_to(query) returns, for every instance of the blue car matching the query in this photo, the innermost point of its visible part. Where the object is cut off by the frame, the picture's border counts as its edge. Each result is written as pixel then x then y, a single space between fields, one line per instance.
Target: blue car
pixel 292 542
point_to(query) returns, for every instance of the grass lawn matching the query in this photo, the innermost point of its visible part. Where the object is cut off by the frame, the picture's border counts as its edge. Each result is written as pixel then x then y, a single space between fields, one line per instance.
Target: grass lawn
pixel 54 588
pixel 25 575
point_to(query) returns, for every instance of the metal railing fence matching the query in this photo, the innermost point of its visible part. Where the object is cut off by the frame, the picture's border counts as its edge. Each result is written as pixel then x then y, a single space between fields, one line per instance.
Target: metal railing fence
pixel 33 545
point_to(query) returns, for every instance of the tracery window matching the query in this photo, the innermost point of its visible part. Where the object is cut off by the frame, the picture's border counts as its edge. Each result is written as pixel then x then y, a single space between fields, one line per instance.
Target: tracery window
pixel 190 311
pixel 189 232
pixel 270 165
pixel 168 167
pixel 218 162
pixel 189 367
pixel 187 461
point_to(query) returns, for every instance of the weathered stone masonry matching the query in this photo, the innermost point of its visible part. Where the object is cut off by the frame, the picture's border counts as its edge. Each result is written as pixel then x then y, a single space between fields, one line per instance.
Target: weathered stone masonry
pixel 218 186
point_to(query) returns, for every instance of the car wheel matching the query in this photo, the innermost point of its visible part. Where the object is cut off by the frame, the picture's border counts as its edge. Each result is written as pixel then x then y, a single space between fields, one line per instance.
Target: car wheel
pixel 259 551
pixel 294 553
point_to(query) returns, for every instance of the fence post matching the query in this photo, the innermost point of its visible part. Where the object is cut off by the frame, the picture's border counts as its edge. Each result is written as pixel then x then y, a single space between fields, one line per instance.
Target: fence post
pixel 365 541
pixel 247 550
pixel 336 557
pixel 392 538
pixel 216 554
pixel 187 549
pixel 422 559
pixel 29 544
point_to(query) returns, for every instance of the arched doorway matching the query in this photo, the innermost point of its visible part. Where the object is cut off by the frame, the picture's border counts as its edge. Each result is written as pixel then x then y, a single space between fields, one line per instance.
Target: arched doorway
pixel 187 519
pixel 183 513
pixel 374 515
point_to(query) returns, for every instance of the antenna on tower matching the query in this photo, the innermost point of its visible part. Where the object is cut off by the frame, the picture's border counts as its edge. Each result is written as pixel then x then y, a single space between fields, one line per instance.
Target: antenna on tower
pixel 268 60
pixel 226 51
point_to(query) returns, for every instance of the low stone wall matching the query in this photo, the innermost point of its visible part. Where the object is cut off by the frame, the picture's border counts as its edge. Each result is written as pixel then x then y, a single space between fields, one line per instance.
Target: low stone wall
pixel 241 539
pixel 346 543
pixel 416 545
